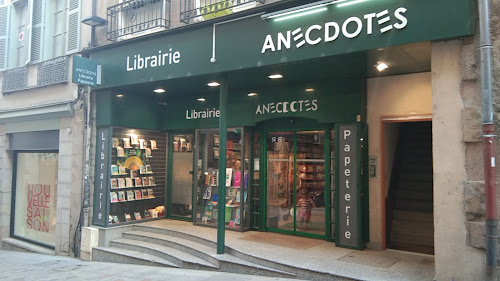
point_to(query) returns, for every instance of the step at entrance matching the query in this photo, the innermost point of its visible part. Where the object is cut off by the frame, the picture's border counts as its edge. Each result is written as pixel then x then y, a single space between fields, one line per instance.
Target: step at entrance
pixel 161 247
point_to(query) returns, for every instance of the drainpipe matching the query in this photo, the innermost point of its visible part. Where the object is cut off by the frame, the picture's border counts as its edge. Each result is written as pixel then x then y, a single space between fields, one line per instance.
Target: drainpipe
pixel 491 233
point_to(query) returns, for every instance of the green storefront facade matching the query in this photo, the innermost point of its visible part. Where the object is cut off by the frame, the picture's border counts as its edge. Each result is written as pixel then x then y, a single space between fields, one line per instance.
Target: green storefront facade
pixel 298 137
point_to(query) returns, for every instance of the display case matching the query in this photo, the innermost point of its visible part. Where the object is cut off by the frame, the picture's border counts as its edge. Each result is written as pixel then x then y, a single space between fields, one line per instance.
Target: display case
pixel 137 175
pixel 236 178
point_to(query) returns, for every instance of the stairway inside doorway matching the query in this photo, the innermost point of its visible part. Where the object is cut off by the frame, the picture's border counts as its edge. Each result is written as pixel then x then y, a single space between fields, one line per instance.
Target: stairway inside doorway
pixel 409 217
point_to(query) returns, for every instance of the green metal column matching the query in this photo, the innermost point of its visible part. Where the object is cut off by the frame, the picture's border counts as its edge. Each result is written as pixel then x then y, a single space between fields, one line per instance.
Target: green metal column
pixel 221 205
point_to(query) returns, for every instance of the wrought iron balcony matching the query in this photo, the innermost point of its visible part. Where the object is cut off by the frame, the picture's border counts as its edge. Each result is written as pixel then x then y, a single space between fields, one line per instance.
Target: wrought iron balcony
pixel 198 10
pixel 136 16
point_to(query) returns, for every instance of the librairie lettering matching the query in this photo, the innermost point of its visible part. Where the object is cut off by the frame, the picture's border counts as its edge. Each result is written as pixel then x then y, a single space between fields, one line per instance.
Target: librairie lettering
pixel 138 61
pixel 202 114
pixel 330 31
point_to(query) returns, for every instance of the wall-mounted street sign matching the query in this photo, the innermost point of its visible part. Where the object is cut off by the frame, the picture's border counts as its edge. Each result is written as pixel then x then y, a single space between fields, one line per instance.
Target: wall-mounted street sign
pixel 85 71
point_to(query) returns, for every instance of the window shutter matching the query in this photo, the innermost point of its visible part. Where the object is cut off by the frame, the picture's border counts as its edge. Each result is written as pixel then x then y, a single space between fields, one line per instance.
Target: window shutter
pixel 73 27
pixel 4 35
pixel 37 31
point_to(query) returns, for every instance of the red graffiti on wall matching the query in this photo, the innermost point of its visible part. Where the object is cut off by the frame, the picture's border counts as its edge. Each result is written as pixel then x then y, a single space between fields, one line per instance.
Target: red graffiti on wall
pixel 38 207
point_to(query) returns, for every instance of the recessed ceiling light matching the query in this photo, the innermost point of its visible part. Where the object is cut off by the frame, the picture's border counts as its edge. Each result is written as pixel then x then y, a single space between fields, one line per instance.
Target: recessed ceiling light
pixel 381 66
pixel 252 94
pixel 275 76
pixel 201 99
pixel 119 96
pixel 309 90
pixel 213 84
pixel 159 91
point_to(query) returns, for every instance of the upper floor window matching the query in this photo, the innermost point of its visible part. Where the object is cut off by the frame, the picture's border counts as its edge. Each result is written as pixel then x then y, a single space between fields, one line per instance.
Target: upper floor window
pixel 32 31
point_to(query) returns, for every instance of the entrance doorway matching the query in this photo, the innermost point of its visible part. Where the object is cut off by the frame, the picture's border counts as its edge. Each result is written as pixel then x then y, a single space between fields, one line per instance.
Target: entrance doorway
pixel 296 182
pixel 409 197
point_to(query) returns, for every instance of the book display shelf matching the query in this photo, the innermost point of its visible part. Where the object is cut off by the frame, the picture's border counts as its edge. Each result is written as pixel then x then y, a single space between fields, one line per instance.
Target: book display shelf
pixel 236 179
pixel 137 175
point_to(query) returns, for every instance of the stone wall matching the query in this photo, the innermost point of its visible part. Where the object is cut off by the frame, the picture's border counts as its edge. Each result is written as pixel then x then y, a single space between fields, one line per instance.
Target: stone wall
pixel 474 198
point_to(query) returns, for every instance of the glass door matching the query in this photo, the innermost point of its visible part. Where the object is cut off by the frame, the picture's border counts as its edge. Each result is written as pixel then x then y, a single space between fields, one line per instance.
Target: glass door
pixel 296 182
pixel 181 196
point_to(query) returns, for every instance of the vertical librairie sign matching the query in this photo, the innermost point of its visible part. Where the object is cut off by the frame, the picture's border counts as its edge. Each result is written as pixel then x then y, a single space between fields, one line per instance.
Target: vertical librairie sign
pixel 348 230
pixel 101 177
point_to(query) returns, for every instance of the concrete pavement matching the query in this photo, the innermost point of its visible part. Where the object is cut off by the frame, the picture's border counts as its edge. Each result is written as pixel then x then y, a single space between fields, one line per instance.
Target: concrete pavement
pixel 19 266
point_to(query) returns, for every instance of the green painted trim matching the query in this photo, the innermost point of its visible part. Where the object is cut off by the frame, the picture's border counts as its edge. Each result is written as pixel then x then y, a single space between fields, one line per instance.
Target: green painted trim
pixel 327 184
pixel 221 204
pixel 170 154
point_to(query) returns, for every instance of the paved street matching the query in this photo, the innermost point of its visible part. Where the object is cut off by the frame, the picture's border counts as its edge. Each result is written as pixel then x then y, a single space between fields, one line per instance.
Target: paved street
pixel 29 266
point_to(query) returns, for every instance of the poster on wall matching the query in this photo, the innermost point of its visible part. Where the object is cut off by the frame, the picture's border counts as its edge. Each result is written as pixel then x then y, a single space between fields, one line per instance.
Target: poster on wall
pixel 35 197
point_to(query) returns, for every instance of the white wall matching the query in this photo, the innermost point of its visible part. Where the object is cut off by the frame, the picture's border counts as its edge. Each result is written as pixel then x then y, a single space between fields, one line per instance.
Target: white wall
pixel 387 97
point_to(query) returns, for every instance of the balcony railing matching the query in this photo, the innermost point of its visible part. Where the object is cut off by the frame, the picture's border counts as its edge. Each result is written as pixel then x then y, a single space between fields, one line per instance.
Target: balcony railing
pixel 133 17
pixel 198 10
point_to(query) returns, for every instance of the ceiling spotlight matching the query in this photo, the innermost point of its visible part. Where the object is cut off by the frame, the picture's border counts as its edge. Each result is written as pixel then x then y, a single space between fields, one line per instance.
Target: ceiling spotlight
pixel 213 84
pixel 275 76
pixel 119 96
pixel 159 91
pixel 309 90
pixel 252 94
pixel 201 99
pixel 381 66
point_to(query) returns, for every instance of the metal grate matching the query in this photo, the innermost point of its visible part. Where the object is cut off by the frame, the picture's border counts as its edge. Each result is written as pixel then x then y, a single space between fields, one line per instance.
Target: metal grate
pixel 134 16
pixel 199 10
pixel 53 71
pixel 15 79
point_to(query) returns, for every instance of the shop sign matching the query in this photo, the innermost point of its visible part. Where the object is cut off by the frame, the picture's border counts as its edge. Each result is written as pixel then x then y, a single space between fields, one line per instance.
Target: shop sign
pixel 84 71
pixel 336 31
pixel 101 179
pixel 330 31
pixel 348 233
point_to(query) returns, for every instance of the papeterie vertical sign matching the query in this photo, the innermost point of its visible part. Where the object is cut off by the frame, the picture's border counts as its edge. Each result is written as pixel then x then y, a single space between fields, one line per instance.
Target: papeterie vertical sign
pixel 101 177
pixel 348 232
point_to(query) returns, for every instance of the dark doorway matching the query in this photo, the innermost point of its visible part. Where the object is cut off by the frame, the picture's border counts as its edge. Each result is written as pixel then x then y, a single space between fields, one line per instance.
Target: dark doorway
pixel 409 201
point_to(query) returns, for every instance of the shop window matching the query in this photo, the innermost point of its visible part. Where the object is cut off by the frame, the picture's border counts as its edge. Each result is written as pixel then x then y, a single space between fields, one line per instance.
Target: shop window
pixel 35 191
pixel 236 178
pixel 137 175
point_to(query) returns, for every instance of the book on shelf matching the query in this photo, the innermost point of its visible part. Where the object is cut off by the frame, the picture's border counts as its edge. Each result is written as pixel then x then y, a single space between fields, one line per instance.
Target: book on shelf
pixel 147 152
pixel 237 178
pixel 245 176
pixel 150 193
pixel 215 213
pixel 153 144
pixel 231 223
pixel 208 192
pixel 129 182
pixel 137 215
pixel 144 194
pixel 126 143
pixel 134 174
pixel 114 183
pixel 147 214
pixel 134 140
pixel 130 195
pixel 231 191
pixel 120 152
pixel 114 170
pixel 114 197
pixel 216 153
pixel 237 218
pixel 122 170
pixel 110 219
pixel 142 144
pixel 115 142
pixel 121 183
pixel 138 182
pixel 128 217
pixel 145 181
pixel 138 194
pixel 148 169
pixel 121 196
pixel 214 178
pixel 229 176
pixel 238 195
pixel 152 181
pixel 115 219
pixel 143 169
